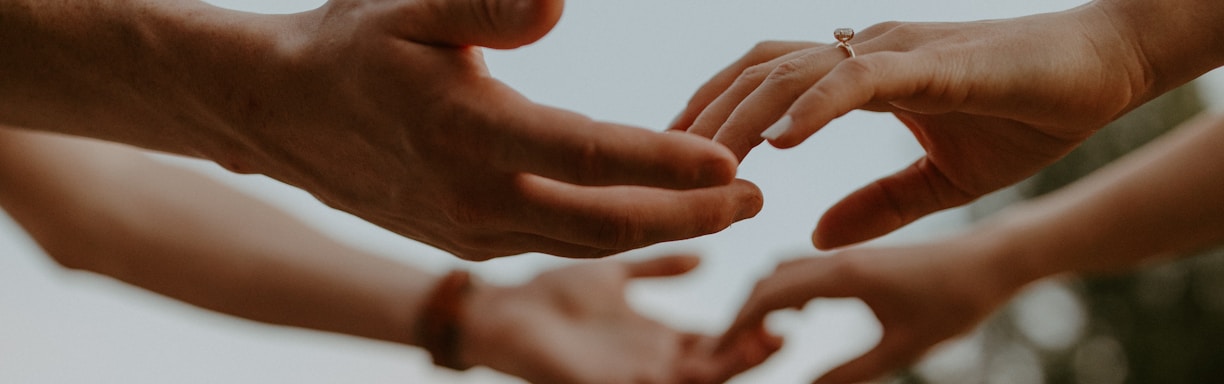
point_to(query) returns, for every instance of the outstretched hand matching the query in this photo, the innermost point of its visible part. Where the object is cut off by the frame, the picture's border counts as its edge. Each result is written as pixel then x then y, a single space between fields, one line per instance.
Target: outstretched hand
pixel 385 109
pixel 922 295
pixel 991 102
pixel 573 326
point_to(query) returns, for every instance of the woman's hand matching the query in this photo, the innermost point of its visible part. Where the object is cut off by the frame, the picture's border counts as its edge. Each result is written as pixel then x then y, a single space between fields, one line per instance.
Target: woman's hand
pixel 922 295
pixel 991 102
pixel 573 326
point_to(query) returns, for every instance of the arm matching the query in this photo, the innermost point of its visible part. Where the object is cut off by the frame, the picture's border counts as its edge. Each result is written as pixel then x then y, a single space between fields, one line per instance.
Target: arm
pixel 383 109
pixel 991 102
pixel 101 208
pixel 1158 202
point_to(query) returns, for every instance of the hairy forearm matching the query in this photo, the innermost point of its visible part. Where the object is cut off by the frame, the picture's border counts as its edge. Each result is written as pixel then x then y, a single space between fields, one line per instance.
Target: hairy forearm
pixel 1165 199
pixel 161 74
pixel 105 209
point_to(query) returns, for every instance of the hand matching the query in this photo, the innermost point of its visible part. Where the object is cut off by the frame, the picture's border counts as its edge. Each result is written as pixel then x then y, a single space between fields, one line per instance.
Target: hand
pixel 573 326
pixel 991 102
pixel 385 109
pixel 922 295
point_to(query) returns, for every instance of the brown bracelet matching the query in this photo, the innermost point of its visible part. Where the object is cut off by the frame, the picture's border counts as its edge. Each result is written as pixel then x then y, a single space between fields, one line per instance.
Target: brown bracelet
pixel 441 319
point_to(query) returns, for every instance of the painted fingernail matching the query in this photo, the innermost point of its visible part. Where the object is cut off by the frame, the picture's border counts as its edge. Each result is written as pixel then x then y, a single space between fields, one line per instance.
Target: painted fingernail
pixel 778 129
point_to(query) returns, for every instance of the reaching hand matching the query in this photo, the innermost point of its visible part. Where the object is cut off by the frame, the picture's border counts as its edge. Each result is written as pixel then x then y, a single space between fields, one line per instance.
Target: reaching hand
pixel 385 109
pixel 991 102
pixel 574 326
pixel 922 295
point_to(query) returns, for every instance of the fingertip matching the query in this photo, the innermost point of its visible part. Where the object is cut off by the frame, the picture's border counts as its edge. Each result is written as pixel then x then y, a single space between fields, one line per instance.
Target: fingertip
pixel 720 169
pixel 671 265
pixel 772 341
pixel 687 262
pixel 528 21
pixel 855 219
pixel 709 164
pixel 822 241
pixel 787 132
pixel 752 201
pixel 778 129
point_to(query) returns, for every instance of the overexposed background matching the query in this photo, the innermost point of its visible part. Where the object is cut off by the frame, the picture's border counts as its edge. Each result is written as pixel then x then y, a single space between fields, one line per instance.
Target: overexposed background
pixel 631 61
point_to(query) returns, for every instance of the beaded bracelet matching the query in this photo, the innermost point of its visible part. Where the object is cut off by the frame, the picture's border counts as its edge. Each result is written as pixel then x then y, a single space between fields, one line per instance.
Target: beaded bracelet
pixel 441 320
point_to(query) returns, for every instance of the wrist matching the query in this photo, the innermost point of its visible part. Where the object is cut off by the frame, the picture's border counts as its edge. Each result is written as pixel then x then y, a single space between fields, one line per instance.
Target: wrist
pixel 1175 41
pixel 441 326
pixel 1011 254
pixel 141 72
pixel 228 75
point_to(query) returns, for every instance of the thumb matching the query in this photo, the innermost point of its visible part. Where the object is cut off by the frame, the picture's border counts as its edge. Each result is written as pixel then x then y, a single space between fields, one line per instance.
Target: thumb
pixel 888 204
pixel 500 24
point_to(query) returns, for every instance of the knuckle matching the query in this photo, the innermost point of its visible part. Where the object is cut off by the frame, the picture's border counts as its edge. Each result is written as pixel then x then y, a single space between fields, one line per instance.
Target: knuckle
pixel 619 233
pixel 755 74
pixel 467 216
pixel 856 68
pixel 844 266
pixel 590 163
pixel 714 220
pixel 882 28
pixel 786 71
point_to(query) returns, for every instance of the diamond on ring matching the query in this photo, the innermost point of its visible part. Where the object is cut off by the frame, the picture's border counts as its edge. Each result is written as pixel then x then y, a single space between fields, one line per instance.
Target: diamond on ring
pixel 843 36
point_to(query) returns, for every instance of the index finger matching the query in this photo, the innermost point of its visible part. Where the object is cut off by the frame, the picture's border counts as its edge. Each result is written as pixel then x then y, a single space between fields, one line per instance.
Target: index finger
pixel 792 285
pixel 708 92
pixel 852 84
pixel 665 266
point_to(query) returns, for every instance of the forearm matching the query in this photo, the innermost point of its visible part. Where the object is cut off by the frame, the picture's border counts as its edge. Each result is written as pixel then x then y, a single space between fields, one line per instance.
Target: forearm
pixel 1177 40
pixel 160 74
pixel 1164 199
pixel 104 209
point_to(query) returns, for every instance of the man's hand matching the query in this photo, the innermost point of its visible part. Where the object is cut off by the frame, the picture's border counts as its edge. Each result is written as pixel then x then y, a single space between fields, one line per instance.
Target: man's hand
pixel 381 108
pixel 389 113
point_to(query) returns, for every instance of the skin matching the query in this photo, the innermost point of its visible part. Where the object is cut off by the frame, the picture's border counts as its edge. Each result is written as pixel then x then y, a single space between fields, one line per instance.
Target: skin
pixel 383 109
pixel 1164 200
pixel 991 102
pixel 107 209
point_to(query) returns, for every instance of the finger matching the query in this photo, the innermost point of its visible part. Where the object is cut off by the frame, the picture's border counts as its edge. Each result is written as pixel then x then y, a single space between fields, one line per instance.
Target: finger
pixel 500 24
pixel 890 355
pixel 663 266
pixel 482 245
pixel 703 365
pixel 623 218
pixel 888 204
pixel 572 148
pixel 717 112
pixel 717 85
pixel 853 83
pixel 793 285
pixel 490 246
pixel 790 78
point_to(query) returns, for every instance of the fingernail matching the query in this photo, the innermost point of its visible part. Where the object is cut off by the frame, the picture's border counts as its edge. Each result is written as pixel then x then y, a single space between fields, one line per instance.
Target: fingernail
pixel 779 128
